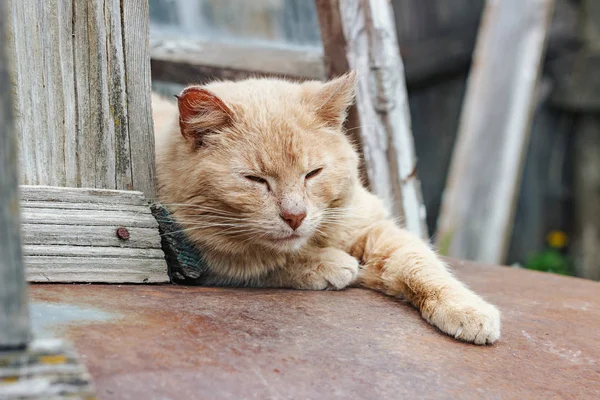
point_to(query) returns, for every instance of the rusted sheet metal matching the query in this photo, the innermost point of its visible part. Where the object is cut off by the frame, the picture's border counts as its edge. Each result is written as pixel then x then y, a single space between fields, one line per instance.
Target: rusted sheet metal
pixel 168 342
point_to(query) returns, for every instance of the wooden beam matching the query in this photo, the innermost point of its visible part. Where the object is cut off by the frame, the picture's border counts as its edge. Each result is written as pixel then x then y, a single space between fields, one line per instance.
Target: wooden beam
pixel 361 35
pixel 14 315
pixel 90 235
pixel 200 60
pixel 83 93
pixel 479 200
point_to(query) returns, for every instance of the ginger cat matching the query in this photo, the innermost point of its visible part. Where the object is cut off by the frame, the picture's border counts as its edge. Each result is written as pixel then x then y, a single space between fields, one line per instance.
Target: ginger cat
pixel 262 178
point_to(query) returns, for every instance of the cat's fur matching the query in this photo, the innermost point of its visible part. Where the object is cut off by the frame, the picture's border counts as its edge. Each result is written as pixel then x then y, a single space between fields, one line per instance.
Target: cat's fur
pixel 232 165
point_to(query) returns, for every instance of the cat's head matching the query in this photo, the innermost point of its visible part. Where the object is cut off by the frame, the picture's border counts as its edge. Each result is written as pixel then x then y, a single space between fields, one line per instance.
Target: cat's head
pixel 263 161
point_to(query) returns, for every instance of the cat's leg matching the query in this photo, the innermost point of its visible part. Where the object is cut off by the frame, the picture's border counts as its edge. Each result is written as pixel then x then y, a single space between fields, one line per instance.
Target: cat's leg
pixel 399 263
pixel 321 269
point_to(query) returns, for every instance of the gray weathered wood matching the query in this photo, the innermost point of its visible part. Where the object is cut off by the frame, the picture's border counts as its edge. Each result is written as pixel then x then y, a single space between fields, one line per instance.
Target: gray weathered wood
pixel 100 95
pixel 70 235
pixel 54 216
pixel 82 195
pixel 136 38
pixel 240 60
pixel 366 31
pixel 30 204
pixel 82 93
pixel 94 269
pixel 88 251
pixel 480 196
pixel 92 236
pixel 14 316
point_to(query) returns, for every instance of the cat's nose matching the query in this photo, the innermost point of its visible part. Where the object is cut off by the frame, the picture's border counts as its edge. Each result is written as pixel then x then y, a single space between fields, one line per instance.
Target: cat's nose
pixel 293 219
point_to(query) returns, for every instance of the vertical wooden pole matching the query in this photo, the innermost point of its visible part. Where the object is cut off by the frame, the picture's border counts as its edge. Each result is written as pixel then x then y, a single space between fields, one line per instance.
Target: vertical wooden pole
pixel 361 35
pixel 14 317
pixel 479 200
pixel 83 93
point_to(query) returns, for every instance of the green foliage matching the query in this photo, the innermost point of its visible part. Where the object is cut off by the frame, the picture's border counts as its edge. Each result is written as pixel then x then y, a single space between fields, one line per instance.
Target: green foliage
pixel 550 260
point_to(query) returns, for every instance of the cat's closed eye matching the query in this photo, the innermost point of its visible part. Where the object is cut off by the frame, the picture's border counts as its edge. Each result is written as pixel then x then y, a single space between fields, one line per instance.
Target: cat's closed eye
pixel 256 179
pixel 313 173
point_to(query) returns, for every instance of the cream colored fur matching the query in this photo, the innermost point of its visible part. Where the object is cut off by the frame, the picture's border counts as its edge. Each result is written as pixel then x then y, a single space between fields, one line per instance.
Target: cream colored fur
pixel 238 161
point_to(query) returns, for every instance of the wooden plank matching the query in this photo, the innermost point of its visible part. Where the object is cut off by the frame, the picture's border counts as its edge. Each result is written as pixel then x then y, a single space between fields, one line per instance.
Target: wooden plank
pixel 304 63
pixel 97 236
pixel 53 216
pixel 83 91
pixel 27 204
pixel 14 315
pixel 95 269
pixel 135 20
pixel 361 35
pixel 96 133
pixel 119 102
pixel 480 196
pixel 75 235
pixel 87 251
pixel 27 30
pixel 82 195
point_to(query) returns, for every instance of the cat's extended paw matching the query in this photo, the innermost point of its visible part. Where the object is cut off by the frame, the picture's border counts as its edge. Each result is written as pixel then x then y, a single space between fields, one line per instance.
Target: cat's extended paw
pixel 334 270
pixel 465 316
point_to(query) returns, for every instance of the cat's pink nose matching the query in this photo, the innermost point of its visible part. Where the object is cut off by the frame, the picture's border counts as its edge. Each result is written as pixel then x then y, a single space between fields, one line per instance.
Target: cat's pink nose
pixel 294 220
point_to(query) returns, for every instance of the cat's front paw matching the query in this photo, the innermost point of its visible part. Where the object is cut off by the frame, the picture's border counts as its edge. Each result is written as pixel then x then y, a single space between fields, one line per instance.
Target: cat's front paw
pixel 466 317
pixel 334 270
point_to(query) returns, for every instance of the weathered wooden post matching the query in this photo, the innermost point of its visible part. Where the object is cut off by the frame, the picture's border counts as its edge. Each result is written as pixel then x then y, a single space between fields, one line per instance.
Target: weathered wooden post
pixel 361 35
pixel 14 319
pixel 479 200
pixel 29 369
pixel 84 124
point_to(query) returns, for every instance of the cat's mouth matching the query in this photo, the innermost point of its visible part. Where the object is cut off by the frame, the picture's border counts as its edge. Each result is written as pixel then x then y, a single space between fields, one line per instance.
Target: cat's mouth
pixel 285 239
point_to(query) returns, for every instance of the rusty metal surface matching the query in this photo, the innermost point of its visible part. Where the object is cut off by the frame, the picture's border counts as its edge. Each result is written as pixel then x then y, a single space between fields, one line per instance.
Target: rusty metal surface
pixel 168 342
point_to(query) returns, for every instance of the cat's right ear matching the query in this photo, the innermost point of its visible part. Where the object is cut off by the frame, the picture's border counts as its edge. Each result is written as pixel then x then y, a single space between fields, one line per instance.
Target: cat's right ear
pixel 201 112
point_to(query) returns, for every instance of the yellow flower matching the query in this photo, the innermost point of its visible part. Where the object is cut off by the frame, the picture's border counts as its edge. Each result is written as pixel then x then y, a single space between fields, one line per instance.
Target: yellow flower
pixel 557 239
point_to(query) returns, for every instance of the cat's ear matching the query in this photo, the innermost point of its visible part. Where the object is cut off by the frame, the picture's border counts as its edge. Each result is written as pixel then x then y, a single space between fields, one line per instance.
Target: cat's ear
pixel 200 112
pixel 334 97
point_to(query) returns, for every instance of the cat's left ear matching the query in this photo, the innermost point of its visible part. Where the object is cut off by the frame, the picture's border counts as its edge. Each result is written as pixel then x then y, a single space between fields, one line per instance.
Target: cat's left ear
pixel 201 112
pixel 334 98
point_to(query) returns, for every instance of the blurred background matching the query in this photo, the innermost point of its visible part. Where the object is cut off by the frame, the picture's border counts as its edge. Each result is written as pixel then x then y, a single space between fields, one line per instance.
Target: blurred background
pixel 557 222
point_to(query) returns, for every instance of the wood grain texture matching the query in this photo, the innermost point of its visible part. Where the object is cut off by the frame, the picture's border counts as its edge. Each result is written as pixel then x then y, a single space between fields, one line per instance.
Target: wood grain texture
pixel 135 20
pixel 70 235
pixel 480 196
pixel 82 195
pixel 78 102
pixel 366 30
pixel 94 269
pixel 304 63
pixel 92 236
pixel 14 315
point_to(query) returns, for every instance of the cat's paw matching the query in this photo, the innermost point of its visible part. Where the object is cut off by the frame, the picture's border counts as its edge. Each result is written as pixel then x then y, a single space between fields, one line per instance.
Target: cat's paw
pixel 334 270
pixel 466 317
